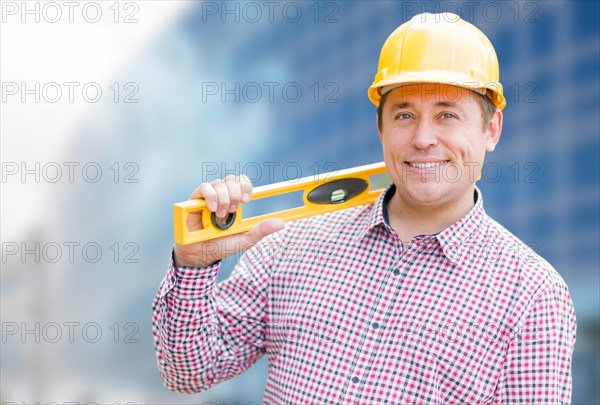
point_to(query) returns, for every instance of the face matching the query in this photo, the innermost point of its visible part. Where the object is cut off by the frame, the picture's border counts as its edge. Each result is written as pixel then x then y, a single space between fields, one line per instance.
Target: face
pixel 434 143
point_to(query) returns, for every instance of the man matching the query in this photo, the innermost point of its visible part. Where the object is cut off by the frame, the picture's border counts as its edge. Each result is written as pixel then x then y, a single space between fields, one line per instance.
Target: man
pixel 421 298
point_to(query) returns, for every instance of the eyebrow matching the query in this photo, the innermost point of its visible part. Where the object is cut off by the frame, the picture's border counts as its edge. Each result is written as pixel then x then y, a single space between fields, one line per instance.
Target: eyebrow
pixel 447 104
pixel 400 106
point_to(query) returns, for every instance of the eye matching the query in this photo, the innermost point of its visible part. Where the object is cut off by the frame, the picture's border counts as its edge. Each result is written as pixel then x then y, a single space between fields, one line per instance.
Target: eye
pixel 402 116
pixel 448 115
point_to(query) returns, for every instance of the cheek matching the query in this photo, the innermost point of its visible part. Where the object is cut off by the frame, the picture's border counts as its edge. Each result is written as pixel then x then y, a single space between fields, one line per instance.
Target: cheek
pixel 466 146
pixel 479 146
pixel 451 172
pixel 394 140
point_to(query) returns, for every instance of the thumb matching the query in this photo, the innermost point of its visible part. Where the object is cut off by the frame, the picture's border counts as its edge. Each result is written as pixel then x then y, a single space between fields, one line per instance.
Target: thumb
pixel 261 230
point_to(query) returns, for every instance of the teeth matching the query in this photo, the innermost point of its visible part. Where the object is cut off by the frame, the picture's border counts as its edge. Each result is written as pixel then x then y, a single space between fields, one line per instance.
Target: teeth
pixel 430 165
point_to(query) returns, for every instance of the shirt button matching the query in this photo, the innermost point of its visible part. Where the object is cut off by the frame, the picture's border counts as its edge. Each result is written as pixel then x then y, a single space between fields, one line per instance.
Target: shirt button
pixel 375 325
pixel 355 380
pixel 396 272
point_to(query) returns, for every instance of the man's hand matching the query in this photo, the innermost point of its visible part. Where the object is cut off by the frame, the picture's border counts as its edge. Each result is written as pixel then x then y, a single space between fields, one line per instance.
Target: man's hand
pixel 222 197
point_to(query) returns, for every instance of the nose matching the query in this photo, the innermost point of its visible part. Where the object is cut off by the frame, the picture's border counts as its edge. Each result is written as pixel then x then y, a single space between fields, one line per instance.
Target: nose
pixel 424 135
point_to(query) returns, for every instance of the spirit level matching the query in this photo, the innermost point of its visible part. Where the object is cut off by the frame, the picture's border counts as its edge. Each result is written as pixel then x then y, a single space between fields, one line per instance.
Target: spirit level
pixel 333 191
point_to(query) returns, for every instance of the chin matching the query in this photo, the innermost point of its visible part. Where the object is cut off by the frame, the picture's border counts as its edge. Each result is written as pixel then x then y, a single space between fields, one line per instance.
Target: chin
pixel 428 193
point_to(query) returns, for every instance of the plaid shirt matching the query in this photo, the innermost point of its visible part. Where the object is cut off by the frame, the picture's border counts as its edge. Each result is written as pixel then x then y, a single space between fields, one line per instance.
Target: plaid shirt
pixel 348 314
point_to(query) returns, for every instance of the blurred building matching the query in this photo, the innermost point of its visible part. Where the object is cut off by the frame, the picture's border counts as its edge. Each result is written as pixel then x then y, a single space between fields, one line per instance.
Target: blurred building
pixel 281 93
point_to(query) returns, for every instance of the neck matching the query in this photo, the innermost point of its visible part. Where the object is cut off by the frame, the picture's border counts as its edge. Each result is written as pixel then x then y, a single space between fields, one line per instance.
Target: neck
pixel 410 220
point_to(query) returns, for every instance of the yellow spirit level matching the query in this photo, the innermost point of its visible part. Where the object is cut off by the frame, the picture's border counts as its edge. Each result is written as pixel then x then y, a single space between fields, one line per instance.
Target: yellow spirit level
pixel 334 191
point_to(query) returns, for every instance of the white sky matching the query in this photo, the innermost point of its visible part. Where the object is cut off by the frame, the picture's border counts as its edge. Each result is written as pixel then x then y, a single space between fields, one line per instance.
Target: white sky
pixel 64 51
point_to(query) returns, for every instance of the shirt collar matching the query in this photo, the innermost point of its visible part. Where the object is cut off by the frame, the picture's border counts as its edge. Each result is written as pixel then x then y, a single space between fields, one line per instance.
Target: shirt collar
pixel 378 216
pixel 453 239
pixel 450 239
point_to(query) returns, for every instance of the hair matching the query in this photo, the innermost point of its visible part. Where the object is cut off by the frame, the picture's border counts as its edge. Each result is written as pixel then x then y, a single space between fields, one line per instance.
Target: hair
pixel 487 108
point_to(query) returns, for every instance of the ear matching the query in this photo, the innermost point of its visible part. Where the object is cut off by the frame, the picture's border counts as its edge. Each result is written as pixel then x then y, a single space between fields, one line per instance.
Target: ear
pixel 493 129
pixel 377 125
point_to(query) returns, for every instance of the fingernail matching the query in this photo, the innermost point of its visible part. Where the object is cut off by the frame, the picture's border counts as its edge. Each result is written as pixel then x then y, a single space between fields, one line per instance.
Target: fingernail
pixel 221 214
pixel 233 208
pixel 245 197
pixel 212 206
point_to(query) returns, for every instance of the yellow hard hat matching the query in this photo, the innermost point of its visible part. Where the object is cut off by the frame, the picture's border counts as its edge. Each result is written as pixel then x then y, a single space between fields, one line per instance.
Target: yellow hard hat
pixel 438 48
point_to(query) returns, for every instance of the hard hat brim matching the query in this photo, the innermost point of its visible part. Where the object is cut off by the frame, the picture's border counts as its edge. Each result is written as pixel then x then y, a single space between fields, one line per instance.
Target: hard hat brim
pixel 494 89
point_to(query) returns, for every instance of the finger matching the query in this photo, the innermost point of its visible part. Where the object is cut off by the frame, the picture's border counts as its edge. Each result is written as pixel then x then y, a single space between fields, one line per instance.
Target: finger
pixel 202 254
pixel 206 191
pixel 235 192
pixel 261 230
pixel 246 186
pixel 222 198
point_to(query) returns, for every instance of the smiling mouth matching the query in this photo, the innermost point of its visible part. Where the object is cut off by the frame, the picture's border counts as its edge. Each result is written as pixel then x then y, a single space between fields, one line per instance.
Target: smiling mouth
pixel 427 165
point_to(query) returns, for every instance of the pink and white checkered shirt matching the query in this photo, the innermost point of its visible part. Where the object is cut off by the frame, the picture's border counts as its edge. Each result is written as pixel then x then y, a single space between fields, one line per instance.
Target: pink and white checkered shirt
pixel 348 315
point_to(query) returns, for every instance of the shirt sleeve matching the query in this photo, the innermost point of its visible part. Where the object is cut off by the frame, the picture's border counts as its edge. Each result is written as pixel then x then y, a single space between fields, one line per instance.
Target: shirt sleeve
pixel 538 364
pixel 205 332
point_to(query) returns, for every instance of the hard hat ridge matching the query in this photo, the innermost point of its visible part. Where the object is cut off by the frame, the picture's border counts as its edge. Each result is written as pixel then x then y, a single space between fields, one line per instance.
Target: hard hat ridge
pixel 438 48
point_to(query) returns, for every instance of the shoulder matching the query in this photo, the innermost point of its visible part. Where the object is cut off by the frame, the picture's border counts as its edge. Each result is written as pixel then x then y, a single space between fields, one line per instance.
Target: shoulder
pixel 332 225
pixel 527 272
pixel 304 238
pixel 529 262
